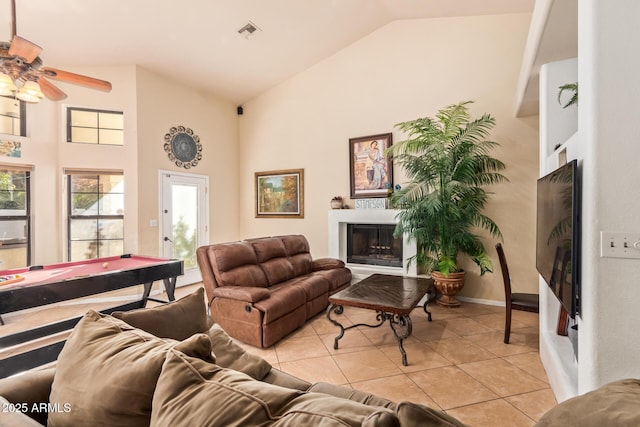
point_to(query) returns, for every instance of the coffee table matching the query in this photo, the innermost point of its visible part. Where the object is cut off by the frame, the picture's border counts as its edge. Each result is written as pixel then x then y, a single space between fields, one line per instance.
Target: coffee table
pixel 392 297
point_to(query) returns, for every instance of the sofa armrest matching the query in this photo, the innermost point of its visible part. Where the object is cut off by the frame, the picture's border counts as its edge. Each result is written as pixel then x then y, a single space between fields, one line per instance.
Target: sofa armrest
pixel 241 293
pixel 351 394
pixel 283 379
pixel 327 264
pixel 12 415
pixel 32 387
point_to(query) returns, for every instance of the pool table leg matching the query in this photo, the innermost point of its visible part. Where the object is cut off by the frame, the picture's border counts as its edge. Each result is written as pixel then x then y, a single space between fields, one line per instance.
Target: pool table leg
pixel 147 292
pixel 170 287
pixel 1 321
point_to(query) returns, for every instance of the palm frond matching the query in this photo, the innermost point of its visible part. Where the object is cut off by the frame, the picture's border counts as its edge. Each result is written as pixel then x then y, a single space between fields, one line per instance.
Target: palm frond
pixel 447 161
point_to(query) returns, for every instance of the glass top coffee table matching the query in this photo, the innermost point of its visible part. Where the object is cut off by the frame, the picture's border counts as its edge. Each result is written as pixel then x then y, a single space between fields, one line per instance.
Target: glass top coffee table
pixel 392 297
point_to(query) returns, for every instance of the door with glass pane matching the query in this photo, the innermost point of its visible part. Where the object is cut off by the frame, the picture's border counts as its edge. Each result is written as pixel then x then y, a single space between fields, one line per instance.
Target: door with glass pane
pixel 184 220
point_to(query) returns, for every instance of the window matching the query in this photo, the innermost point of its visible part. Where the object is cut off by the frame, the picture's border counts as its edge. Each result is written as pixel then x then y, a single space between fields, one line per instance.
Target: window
pixel 95 126
pixel 12 116
pixel 96 214
pixel 15 219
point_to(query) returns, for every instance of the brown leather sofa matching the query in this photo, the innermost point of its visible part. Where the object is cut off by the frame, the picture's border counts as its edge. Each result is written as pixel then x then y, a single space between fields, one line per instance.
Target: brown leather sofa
pixel 260 290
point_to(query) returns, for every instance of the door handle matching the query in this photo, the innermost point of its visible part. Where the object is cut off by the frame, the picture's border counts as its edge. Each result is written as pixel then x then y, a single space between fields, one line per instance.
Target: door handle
pixel 166 239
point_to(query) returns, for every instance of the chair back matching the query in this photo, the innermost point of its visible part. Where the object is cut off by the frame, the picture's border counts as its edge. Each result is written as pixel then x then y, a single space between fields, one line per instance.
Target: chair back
pixel 505 273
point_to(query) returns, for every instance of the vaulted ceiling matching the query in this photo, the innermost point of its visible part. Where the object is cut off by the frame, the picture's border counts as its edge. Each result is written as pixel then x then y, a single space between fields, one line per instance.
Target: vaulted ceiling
pixel 197 41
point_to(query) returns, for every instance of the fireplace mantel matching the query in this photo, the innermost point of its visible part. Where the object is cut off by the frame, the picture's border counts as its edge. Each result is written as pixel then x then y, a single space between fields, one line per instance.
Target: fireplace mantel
pixel 338 220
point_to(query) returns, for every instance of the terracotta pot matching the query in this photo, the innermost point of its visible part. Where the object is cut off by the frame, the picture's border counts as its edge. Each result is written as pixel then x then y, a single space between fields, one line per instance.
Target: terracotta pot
pixel 448 286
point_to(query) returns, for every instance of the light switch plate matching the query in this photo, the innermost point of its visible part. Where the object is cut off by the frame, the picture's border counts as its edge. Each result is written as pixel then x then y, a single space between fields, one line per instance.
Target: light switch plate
pixel 619 245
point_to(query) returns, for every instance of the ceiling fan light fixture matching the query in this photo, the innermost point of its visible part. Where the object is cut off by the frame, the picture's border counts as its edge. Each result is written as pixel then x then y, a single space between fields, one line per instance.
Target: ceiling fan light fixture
pixel 30 92
pixel 7 87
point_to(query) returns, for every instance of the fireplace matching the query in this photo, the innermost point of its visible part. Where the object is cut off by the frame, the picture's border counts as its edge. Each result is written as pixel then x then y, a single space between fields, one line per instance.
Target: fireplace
pixel 373 244
pixel 339 221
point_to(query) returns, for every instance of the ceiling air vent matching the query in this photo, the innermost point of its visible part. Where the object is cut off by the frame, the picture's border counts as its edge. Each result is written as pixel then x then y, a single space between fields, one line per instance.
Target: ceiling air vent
pixel 248 29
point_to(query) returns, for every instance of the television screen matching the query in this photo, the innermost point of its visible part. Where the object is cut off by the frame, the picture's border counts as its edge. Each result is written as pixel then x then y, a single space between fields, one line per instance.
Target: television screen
pixel 558 234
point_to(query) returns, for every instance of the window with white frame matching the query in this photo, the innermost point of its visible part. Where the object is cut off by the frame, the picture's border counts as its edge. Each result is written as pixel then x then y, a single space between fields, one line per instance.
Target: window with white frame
pixel 90 126
pixel 13 117
pixel 95 209
pixel 15 217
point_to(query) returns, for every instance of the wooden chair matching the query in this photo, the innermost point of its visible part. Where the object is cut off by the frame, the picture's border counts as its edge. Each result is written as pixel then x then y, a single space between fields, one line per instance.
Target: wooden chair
pixel 514 301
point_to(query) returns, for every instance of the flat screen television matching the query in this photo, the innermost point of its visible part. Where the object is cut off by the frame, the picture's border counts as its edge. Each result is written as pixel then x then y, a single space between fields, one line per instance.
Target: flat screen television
pixel 558 234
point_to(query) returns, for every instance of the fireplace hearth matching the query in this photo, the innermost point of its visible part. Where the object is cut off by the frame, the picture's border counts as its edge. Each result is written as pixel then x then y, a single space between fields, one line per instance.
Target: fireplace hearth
pixel 373 244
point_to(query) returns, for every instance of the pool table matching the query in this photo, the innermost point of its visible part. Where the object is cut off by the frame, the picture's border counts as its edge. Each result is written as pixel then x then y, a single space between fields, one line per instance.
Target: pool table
pixel 38 286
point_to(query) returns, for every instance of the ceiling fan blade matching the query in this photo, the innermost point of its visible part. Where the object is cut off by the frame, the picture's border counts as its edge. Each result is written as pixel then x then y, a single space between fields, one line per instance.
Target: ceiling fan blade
pixel 50 91
pixel 77 79
pixel 24 49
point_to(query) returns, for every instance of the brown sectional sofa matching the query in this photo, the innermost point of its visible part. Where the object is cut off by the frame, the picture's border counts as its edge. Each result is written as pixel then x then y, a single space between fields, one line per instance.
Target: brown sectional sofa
pixel 138 369
pixel 260 290
pixel 170 366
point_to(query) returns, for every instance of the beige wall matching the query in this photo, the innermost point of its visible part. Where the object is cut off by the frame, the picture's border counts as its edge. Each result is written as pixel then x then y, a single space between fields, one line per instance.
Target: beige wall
pixel 151 105
pixel 404 70
pixel 161 105
pixel 46 150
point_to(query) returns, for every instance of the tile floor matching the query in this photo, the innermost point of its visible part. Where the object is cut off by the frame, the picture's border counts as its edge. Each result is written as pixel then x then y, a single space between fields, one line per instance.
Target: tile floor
pixel 457 363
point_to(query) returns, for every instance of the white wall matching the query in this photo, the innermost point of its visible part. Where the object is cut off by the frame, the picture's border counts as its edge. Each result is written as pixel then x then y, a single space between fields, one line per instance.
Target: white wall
pixel 558 126
pixel 404 70
pixel 608 128
pixel 606 145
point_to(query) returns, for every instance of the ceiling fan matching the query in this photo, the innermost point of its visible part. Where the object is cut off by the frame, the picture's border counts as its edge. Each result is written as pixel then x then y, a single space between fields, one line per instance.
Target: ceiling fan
pixel 23 76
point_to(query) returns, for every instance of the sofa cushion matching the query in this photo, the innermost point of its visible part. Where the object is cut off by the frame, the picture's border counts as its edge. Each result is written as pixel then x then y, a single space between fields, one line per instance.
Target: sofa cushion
pixel 272 258
pixel 236 264
pixel 337 278
pixel 298 252
pixel 231 355
pixel 313 285
pixel 177 320
pixel 107 372
pixel 186 385
pixel 615 404
pixel 282 300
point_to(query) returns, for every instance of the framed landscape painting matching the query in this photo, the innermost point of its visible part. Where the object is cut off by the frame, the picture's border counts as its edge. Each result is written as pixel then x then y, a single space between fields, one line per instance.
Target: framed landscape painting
pixel 371 172
pixel 280 194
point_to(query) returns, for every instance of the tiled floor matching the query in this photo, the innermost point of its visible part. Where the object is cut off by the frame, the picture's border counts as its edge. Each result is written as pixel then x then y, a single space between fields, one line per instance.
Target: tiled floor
pixel 457 363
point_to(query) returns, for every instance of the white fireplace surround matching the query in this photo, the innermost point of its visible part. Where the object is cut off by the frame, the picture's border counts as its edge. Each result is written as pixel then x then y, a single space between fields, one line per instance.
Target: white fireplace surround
pixel 338 220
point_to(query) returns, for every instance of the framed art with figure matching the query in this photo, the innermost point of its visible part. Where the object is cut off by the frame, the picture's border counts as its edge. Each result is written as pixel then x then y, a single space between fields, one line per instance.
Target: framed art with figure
pixel 371 172
pixel 280 194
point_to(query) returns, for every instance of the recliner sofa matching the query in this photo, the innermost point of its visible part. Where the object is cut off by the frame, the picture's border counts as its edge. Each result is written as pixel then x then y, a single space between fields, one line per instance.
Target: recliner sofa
pixel 259 290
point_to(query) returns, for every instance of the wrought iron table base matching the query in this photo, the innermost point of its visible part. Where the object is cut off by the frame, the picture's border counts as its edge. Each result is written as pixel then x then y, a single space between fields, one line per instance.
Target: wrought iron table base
pixel 400 325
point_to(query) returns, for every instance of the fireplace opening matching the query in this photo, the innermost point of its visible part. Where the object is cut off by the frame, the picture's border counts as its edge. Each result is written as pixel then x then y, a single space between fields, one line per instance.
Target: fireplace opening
pixel 373 244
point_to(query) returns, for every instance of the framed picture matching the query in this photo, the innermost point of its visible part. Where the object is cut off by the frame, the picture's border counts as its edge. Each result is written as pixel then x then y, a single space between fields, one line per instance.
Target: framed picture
pixel 280 194
pixel 371 172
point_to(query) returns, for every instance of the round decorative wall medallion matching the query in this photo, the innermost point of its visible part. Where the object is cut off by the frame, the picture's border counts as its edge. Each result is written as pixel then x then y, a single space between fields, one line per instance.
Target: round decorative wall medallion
pixel 183 147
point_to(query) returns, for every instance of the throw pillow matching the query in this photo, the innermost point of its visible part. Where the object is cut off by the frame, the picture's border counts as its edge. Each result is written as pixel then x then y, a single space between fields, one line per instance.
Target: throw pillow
pixel 107 372
pixel 177 320
pixel 231 355
pixel 614 404
pixel 187 386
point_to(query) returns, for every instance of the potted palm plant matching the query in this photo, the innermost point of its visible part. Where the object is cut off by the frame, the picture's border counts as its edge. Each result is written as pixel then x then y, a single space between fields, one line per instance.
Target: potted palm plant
pixel 447 162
